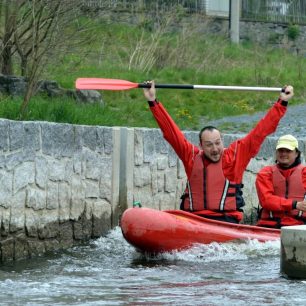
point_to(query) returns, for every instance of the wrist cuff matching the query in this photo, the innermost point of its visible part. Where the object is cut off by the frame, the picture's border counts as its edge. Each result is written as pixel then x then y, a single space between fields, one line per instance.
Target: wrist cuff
pixel 284 103
pixel 152 103
pixel 294 203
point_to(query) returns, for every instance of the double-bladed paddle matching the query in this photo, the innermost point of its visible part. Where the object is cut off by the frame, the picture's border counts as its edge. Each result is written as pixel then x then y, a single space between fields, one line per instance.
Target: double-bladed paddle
pixel 115 84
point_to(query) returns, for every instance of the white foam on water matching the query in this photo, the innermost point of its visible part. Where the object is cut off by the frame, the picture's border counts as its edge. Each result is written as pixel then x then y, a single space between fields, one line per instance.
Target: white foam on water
pixel 115 244
pixel 217 252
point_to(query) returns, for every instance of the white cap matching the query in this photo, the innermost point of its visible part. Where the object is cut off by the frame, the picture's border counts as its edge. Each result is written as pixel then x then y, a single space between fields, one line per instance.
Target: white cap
pixel 287 142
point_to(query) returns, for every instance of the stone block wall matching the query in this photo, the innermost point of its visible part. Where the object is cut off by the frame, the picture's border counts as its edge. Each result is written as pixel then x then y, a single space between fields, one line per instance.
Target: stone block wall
pixel 158 176
pixel 63 184
pixel 56 186
pixel 269 33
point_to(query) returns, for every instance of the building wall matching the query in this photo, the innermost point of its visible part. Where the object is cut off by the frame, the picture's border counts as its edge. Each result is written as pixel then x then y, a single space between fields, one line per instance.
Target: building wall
pixel 217 8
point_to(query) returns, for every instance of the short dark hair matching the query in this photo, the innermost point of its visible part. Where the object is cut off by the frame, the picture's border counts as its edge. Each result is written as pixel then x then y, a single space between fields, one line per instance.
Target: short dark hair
pixel 207 128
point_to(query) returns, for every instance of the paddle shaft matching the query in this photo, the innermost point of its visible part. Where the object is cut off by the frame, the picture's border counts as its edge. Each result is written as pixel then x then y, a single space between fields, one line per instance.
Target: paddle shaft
pixel 117 84
pixel 211 87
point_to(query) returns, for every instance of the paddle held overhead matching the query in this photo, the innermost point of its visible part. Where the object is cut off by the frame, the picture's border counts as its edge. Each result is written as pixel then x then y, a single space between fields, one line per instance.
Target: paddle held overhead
pixel 115 84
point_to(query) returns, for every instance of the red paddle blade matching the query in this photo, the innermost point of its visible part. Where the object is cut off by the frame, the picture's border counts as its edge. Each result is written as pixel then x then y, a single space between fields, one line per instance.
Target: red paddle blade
pixel 104 84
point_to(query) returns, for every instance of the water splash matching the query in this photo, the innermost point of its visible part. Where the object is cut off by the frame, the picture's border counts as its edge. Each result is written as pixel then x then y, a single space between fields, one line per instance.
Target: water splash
pixel 115 244
pixel 223 252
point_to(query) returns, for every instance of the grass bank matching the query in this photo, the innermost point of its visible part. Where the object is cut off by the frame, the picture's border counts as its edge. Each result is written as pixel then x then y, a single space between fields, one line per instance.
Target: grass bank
pixel 144 52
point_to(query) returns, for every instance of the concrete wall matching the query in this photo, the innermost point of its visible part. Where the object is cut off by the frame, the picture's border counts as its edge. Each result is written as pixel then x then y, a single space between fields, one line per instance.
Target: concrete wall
pixel 63 184
pixel 293 251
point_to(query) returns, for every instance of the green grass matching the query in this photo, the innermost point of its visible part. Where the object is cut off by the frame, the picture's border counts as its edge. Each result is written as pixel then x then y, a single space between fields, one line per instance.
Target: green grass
pixel 180 58
pixel 67 111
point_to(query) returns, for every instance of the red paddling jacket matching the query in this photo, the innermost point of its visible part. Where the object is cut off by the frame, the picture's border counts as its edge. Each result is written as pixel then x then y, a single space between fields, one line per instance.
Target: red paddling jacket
pixel 233 162
pixel 278 194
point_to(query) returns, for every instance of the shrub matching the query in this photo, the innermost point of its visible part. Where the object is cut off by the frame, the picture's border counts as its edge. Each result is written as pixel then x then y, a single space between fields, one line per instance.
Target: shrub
pixel 293 32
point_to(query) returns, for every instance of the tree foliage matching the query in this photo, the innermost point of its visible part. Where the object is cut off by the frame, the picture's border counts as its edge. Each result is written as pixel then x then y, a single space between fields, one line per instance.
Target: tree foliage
pixel 33 32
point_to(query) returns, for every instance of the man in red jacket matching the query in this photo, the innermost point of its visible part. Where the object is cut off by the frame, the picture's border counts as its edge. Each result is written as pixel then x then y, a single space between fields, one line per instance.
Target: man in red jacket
pixel 281 187
pixel 215 173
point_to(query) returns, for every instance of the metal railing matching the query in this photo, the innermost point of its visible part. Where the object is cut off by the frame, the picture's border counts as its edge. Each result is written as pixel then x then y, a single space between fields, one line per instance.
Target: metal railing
pixel 280 11
pixel 190 6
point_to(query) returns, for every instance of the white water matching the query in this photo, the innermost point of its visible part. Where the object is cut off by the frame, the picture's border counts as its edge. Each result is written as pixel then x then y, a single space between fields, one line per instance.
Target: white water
pixel 110 272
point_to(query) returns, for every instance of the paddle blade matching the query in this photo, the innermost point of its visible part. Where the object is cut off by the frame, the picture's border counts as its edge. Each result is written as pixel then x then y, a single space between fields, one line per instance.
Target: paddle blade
pixel 104 84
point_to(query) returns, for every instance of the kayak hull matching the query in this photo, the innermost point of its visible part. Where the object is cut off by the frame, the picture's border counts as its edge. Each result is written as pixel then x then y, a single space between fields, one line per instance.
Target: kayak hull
pixel 155 231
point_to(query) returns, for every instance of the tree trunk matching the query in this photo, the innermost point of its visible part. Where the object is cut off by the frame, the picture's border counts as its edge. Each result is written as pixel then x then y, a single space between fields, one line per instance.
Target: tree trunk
pixel 10 11
pixel 26 100
pixel 6 58
pixel 23 65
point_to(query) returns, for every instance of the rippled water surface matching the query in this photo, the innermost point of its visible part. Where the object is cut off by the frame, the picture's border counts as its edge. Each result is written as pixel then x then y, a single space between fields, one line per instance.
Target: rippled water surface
pixel 110 272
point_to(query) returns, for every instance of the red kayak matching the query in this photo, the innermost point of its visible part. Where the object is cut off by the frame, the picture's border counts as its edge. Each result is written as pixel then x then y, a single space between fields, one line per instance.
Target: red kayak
pixel 155 231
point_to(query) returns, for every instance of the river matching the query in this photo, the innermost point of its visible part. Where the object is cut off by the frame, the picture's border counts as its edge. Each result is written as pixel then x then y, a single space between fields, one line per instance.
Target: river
pixel 108 271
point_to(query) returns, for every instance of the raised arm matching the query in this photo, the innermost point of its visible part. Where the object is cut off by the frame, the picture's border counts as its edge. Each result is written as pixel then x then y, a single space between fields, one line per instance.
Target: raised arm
pixel 237 156
pixel 171 132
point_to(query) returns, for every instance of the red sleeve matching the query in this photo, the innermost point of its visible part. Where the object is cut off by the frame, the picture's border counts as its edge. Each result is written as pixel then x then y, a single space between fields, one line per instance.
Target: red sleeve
pixel 183 148
pixel 304 178
pixel 265 192
pixel 237 156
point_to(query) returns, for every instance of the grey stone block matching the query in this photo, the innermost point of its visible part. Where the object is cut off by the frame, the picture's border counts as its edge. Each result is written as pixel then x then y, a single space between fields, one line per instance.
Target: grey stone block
pixel 4 135
pixel 58 140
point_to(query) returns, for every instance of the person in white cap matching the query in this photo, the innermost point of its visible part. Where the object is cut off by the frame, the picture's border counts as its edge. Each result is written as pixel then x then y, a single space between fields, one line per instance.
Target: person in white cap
pixel 281 187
